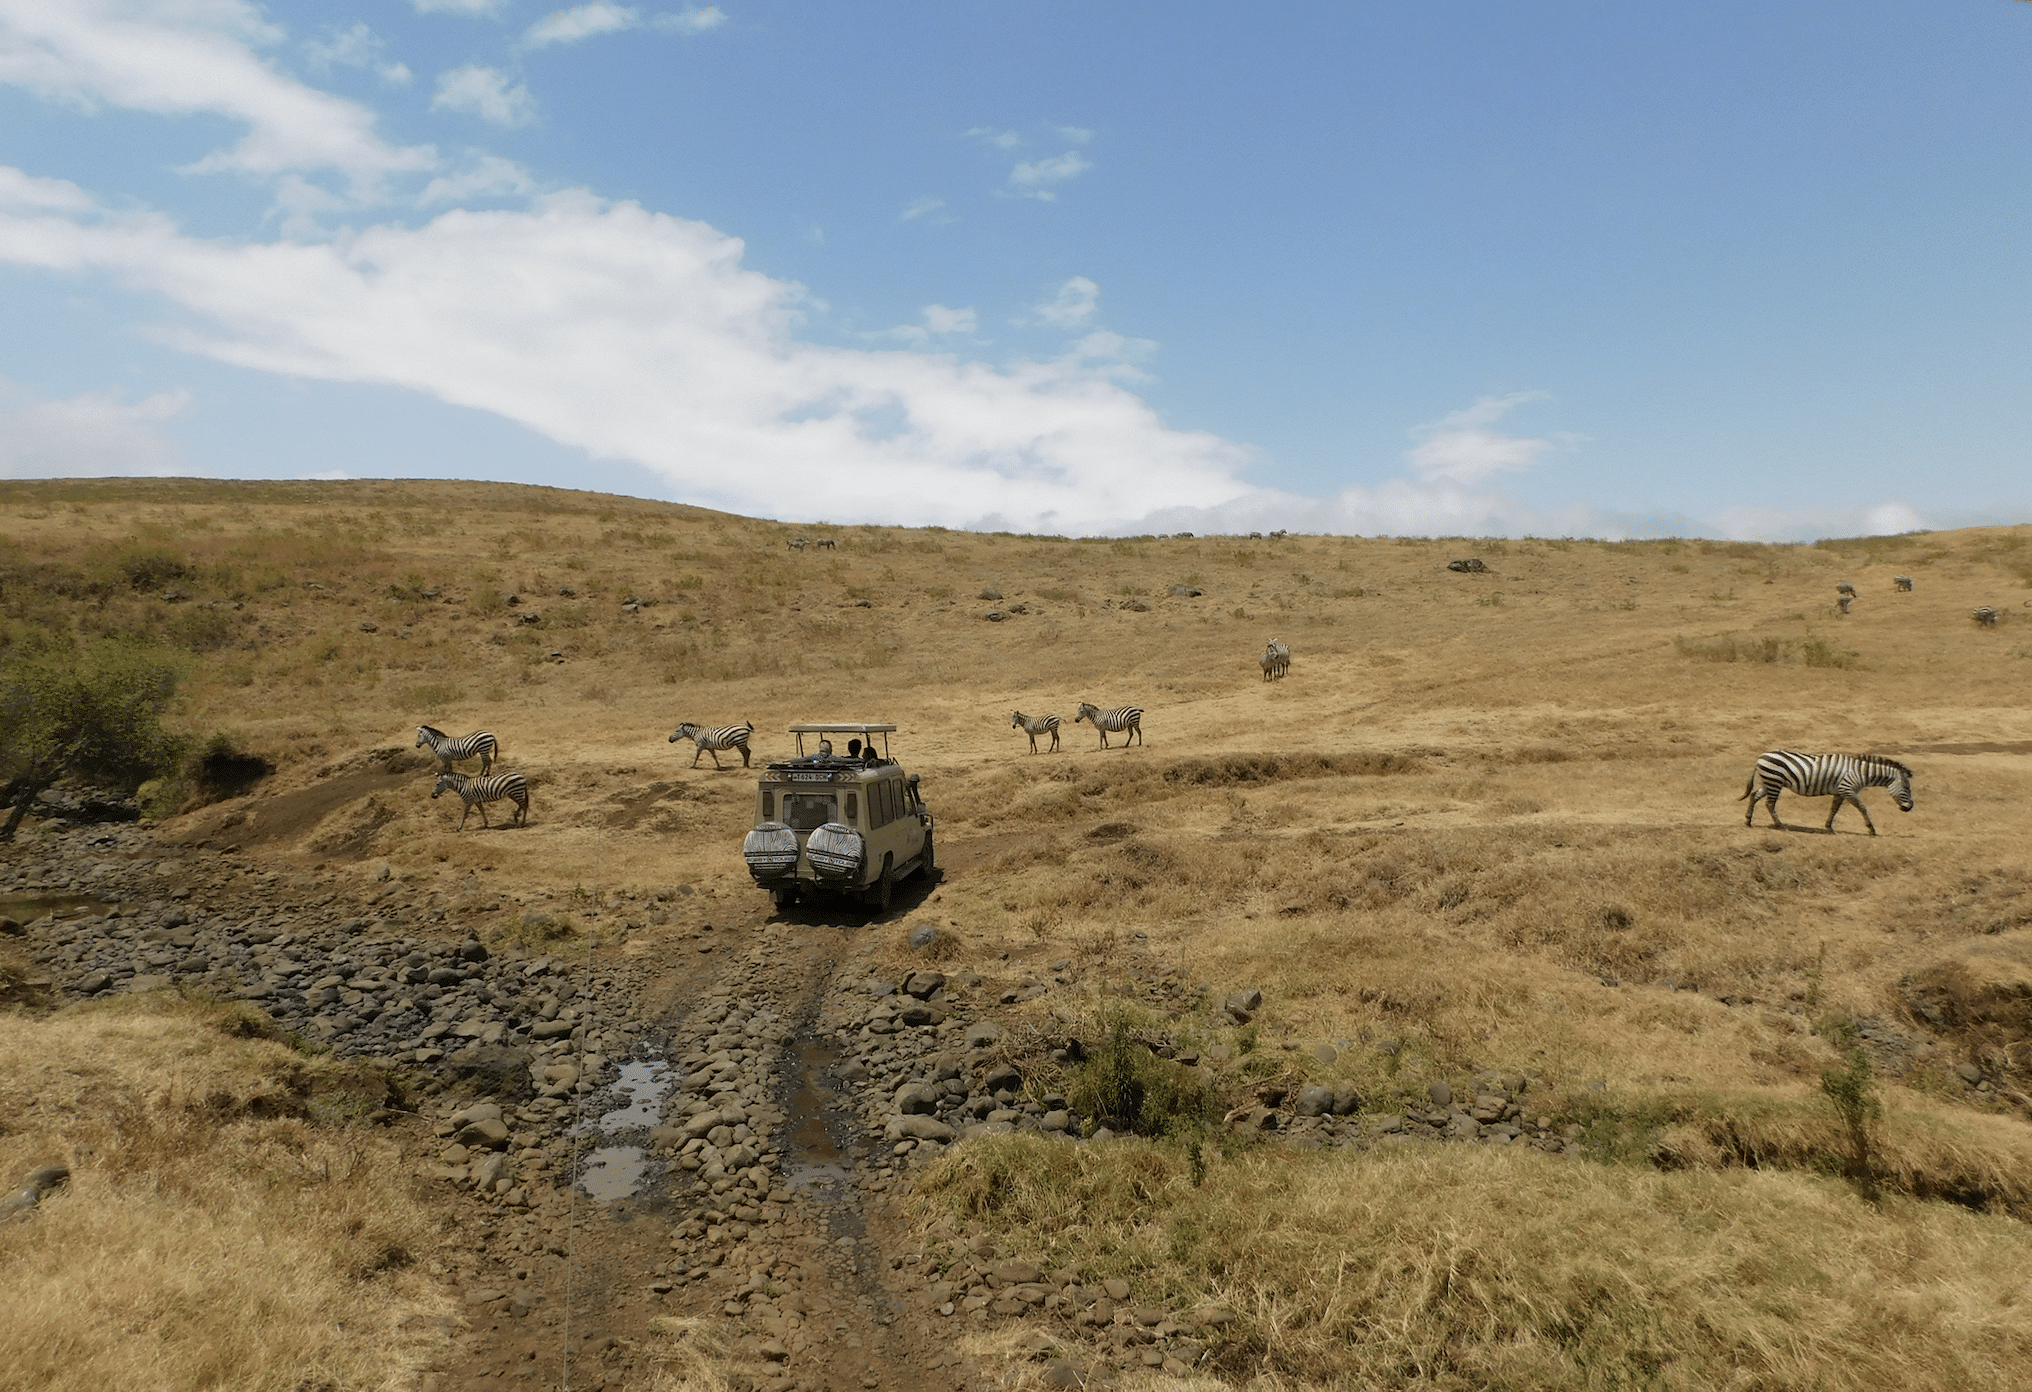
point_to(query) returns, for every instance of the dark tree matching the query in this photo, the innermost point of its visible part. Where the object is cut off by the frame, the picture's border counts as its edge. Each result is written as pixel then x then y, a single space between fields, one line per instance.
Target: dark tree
pixel 95 715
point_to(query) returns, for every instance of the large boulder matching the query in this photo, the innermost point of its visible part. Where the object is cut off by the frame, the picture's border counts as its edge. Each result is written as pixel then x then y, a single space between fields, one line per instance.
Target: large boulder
pixel 495 1069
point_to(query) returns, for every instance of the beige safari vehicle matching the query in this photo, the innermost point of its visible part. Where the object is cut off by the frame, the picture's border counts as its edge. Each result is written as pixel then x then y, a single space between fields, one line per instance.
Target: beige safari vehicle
pixel 839 820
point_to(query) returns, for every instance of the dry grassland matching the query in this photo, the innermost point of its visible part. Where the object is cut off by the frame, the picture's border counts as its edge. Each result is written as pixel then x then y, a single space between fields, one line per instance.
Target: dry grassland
pixel 221 1227
pixel 1489 822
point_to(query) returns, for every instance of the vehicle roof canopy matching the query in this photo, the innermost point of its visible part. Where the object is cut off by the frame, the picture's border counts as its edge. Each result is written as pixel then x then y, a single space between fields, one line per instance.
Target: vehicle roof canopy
pixel 841 727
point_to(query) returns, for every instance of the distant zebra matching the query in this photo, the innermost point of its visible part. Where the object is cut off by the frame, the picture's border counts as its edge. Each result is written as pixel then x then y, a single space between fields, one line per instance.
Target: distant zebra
pixel 1839 776
pixel 1035 725
pixel 1842 602
pixel 478 792
pixel 1846 588
pixel 1986 616
pixel 797 543
pixel 825 544
pixel 711 739
pixel 478 745
pixel 1124 718
pixel 1903 582
pixel 1276 660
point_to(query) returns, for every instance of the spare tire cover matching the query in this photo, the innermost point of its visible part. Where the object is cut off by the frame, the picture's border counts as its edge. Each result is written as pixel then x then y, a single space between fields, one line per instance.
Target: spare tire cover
pixel 770 850
pixel 834 851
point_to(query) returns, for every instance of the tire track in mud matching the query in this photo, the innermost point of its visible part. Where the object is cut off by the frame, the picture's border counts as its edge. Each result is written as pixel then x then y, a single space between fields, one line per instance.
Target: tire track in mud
pixel 742 1210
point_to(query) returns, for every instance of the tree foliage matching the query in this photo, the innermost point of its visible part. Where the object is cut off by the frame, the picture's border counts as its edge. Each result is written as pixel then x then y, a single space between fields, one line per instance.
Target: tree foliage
pixel 94 714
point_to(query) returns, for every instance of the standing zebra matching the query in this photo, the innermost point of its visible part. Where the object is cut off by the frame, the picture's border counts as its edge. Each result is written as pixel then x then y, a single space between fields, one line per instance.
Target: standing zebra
pixel 1846 588
pixel 478 745
pixel 478 792
pixel 1903 582
pixel 1839 776
pixel 1842 602
pixel 1123 718
pixel 1986 616
pixel 711 739
pixel 1035 725
pixel 1276 660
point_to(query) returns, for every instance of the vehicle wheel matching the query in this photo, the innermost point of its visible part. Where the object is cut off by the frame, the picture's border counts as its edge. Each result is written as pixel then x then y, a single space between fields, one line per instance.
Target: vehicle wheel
pixel 883 891
pixel 927 865
pixel 784 895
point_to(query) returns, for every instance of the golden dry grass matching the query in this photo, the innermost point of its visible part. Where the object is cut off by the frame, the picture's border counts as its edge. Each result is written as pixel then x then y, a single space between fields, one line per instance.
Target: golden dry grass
pixel 1429 1267
pixel 213 1234
pixel 1490 821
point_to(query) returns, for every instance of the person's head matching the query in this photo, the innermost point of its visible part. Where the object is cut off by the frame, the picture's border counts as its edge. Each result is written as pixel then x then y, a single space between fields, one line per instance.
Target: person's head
pixel 825 746
pixel 853 749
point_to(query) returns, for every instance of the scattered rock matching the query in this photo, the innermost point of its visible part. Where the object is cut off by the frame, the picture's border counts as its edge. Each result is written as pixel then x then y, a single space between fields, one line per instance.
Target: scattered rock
pixel 990 594
pixel 923 936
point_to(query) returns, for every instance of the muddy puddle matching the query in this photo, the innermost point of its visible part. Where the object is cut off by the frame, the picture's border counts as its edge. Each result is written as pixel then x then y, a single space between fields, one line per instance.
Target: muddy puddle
pixel 819 1136
pixel 26 908
pixel 619 1171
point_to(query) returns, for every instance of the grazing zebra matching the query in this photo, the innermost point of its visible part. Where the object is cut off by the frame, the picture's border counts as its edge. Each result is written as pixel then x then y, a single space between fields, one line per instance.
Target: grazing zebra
pixel 797 543
pixel 1842 602
pixel 1839 776
pixel 1035 725
pixel 1124 718
pixel 711 739
pixel 824 544
pixel 1986 616
pixel 478 792
pixel 1903 582
pixel 1846 588
pixel 478 745
pixel 1276 660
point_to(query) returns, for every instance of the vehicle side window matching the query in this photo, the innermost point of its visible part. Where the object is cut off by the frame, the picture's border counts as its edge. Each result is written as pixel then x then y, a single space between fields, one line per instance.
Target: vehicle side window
pixel 853 807
pixel 888 792
pixel 768 807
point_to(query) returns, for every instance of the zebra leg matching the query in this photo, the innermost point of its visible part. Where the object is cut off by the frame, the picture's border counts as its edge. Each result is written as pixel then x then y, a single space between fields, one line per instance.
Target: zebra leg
pixel 1137 731
pixel 695 752
pixel 744 754
pixel 716 759
pixel 1771 806
pixel 485 825
pixel 465 814
pixel 1860 808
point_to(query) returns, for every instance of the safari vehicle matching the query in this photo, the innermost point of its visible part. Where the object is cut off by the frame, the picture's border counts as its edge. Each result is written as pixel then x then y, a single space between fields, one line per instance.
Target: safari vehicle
pixel 840 820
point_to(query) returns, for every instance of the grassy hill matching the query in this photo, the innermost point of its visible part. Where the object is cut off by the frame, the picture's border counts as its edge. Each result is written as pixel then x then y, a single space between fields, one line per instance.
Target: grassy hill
pixel 1488 824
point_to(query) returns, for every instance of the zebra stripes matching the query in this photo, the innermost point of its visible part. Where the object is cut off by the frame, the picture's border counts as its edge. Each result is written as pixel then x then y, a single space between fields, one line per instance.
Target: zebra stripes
pixel 1986 616
pixel 1839 776
pixel 1035 725
pixel 1276 660
pixel 1903 582
pixel 1127 719
pixel 479 745
pixel 478 792
pixel 711 739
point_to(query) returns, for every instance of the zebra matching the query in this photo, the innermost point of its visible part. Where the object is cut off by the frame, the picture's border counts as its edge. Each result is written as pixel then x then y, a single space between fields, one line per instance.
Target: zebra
pixel 1846 588
pixel 797 543
pixel 1842 602
pixel 1276 660
pixel 479 745
pixel 1035 725
pixel 478 792
pixel 1124 718
pixel 1903 582
pixel 711 739
pixel 824 544
pixel 1986 616
pixel 1839 776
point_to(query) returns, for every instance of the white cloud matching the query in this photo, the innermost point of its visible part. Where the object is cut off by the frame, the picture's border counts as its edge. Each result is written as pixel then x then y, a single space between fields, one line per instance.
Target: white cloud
pixel 581 22
pixel 1461 449
pixel 692 20
pixel 489 176
pixel 190 57
pixel 937 321
pixel 923 207
pixel 998 139
pixel 1072 306
pixel 25 192
pixel 641 337
pixel 85 436
pixel 484 92
pixel 357 47
pixel 1035 178
pixel 1077 135
pixel 464 7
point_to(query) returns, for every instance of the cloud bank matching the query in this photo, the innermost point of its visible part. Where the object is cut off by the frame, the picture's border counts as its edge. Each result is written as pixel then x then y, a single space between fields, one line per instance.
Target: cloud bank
pixel 85 436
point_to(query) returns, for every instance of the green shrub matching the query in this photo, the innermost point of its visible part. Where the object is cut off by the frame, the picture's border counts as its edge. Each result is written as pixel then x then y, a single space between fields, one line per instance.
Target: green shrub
pixel 94 715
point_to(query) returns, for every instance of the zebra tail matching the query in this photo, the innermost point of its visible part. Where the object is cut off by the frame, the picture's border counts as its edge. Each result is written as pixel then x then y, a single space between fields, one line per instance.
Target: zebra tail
pixel 1752 789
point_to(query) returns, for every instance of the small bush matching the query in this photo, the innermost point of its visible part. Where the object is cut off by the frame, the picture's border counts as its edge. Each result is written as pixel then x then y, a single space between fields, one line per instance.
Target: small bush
pixel 1125 1087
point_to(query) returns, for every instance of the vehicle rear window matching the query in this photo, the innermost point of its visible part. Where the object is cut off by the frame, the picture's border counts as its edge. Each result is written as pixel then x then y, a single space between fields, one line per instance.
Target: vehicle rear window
pixel 809 811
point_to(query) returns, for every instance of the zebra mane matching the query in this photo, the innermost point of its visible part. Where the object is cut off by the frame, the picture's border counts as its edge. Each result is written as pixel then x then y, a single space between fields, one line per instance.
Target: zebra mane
pixel 431 730
pixel 1884 761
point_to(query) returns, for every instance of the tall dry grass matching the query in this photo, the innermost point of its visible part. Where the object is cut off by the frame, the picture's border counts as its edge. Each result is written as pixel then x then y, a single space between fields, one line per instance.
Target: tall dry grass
pixel 214 1232
pixel 1471 1268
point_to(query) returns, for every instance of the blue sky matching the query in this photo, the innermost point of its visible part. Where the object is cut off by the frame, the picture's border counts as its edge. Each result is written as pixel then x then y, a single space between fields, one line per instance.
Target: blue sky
pixel 1473 266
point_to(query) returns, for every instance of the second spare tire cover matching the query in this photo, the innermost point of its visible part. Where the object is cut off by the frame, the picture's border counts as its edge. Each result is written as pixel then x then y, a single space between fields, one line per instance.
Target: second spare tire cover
pixel 834 851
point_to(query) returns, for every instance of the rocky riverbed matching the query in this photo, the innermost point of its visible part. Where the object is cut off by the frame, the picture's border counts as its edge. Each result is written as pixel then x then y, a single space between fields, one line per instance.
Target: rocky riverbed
pixel 709 1118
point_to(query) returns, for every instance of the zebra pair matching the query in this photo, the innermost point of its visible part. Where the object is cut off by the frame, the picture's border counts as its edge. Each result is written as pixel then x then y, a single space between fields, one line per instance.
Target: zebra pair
pixel 711 739
pixel 1276 660
pixel 1839 776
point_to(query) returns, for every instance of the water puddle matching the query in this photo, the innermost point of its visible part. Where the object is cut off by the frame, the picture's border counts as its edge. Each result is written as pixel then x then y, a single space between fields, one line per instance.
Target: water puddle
pixel 26 908
pixel 614 1172
pixel 818 1136
pixel 618 1171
